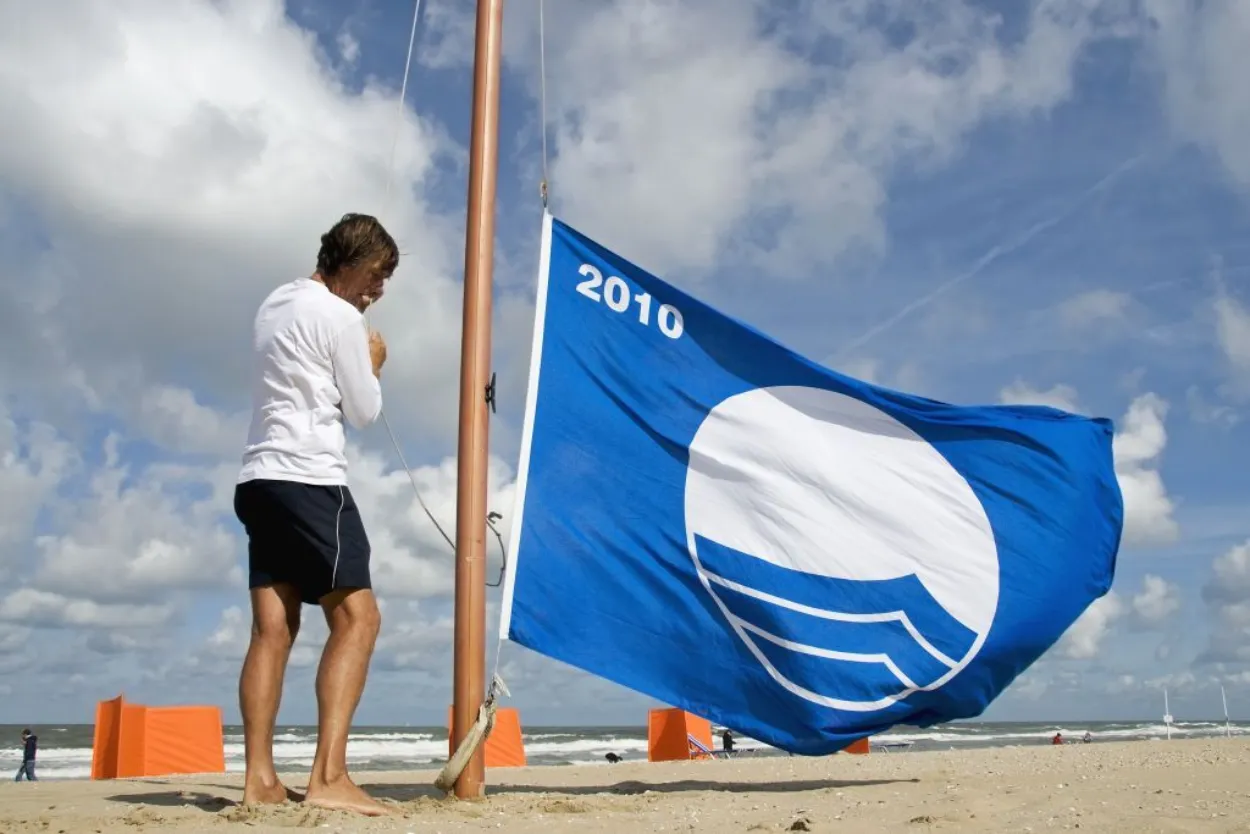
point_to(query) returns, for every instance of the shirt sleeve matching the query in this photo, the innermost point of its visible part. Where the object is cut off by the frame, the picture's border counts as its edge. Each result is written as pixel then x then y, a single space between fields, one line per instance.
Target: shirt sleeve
pixel 353 374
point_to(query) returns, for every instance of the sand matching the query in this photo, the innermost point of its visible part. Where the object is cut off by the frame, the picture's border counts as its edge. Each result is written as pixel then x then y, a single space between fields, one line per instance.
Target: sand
pixel 1191 785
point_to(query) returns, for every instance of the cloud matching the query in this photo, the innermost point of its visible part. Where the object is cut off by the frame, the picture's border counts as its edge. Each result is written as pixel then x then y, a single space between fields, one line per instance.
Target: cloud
pixel 32 607
pixel 164 204
pixel 1232 330
pixel 1149 512
pixel 411 560
pixel 1156 603
pixel 1084 638
pixel 130 534
pixel 1062 397
pixel 135 534
pixel 33 461
pixel 1227 595
pixel 172 417
pixel 349 47
pixel 1094 307
pixel 1152 607
pixel 1200 49
pixel 1205 412
pixel 699 134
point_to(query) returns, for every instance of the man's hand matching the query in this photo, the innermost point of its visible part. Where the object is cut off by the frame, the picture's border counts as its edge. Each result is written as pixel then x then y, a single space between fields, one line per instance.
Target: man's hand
pixel 377 351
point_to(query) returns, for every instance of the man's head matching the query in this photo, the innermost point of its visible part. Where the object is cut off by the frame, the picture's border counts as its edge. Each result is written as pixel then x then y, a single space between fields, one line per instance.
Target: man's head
pixel 357 257
pixel 25 734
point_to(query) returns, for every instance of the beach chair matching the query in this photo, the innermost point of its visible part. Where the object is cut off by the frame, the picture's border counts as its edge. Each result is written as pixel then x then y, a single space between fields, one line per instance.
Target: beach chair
pixel 699 750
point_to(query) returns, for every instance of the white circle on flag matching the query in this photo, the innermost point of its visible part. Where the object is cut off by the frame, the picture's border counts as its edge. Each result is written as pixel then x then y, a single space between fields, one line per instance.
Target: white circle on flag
pixel 821 484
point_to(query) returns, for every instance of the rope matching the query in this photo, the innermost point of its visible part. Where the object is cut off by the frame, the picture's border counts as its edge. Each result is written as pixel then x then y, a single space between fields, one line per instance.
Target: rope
pixel 542 106
pixel 399 111
pixel 413 480
pixel 390 179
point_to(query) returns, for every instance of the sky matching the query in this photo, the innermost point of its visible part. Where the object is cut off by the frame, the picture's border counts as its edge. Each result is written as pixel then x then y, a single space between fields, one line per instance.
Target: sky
pixel 1041 202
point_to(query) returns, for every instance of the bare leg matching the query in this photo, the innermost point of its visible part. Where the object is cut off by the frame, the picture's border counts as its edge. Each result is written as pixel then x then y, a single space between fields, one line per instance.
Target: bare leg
pixel 354 621
pixel 275 622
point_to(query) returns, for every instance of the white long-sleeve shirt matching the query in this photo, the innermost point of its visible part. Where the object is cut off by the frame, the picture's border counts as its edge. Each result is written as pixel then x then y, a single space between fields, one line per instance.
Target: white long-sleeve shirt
pixel 311 368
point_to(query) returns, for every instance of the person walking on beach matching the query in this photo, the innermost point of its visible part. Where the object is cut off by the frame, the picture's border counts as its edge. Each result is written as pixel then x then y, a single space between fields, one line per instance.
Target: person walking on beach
pixel 30 742
pixel 315 363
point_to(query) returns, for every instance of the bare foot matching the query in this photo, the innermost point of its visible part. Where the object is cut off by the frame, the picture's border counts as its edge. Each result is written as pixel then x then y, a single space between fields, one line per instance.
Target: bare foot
pixel 256 792
pixel 344 795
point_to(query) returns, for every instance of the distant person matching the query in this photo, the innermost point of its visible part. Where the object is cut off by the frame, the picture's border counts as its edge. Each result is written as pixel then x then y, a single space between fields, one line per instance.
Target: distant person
pixel 612 758
pixel 1058 739
pixel 727 742
pixel 315 364
pixel 30 742
pixel 1087 738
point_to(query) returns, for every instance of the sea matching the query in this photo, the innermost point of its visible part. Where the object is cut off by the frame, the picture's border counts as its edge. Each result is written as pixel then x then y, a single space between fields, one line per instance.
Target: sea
pixel 65 750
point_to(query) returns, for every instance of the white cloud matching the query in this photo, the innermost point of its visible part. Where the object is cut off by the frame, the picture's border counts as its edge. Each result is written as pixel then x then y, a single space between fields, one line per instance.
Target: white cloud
pixel 171 200
pixel 349 47
pixel 33 461
pixel 1227 594
pixel 1083 639
pixel 1151 607
pixel 1231 581
pixel 132 535
pixel 1138 443
pixel 696 134
pixel 12 638
pixel 1095 307
pixel 231 636
pixel 868 370
pixel 1201 50
pixel 1157 601
pixel 1201 410
pixel 41 608
pixel 1232 330
pixel 1173 682
pixel 410 558
pixel 1060 396
pixel 172 417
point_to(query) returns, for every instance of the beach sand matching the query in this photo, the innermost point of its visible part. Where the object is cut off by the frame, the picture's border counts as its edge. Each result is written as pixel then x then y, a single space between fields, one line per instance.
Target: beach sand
pixel 1191 785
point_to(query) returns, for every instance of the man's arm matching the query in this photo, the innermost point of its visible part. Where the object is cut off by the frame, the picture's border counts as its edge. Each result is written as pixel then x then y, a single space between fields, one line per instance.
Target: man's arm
pixel 355 377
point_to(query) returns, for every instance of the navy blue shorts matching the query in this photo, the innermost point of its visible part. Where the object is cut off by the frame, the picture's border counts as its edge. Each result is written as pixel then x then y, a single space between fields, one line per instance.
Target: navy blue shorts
pixel 306 535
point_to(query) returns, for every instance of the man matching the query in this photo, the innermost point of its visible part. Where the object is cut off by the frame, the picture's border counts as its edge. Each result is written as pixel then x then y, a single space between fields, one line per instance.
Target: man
pixel 29 742
pixel 315 363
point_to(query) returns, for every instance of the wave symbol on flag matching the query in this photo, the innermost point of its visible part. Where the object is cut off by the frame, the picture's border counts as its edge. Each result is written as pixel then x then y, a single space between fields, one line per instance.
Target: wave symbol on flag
pixel 853 561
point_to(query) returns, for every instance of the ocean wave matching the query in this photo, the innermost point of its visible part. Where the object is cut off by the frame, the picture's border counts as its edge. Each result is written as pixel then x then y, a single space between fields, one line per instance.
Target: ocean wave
pixel 393 749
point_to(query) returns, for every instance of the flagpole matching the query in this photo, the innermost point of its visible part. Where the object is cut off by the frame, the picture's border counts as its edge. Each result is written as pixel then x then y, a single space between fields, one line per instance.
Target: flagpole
pixel 468 691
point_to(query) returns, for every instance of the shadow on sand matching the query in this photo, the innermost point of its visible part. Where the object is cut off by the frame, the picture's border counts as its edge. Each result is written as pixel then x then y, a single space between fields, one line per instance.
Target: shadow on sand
pixel 176 799
pixel 398 792
pixel 407 793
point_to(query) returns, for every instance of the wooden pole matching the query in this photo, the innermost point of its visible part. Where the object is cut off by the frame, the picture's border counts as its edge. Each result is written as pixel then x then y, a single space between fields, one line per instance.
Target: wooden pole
pixel 470 636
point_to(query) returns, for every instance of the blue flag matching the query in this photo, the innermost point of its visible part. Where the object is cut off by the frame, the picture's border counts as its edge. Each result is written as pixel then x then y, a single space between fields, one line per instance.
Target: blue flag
pixel 708 518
